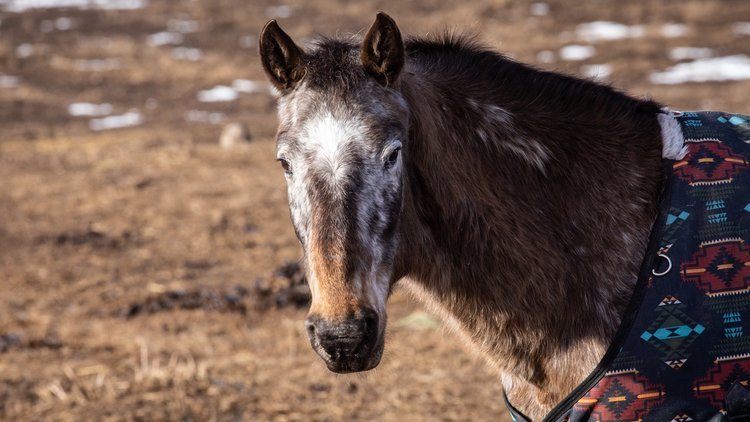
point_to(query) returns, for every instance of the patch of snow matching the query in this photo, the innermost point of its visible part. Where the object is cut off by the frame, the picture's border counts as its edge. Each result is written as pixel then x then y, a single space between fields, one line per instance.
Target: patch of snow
pixel 183 26
pixel 729 68
pixel 539 9
pixel 545 56
pixel 90 109
pixel 8 81
pixel 165 38
pixel 577 52
pixel 63 24
pixel 690 53
pixel 18 6
pixel 674 30
pixel 281 11
pixel 230 93
pixel 24 50
pixel 200 116
pixel 131 118
pixel 217 94
pixel 597 71
pixel 741 28
pixel 248 41
pixel 250 87
pixel 605 30
pixel 97 65
pixel 185 53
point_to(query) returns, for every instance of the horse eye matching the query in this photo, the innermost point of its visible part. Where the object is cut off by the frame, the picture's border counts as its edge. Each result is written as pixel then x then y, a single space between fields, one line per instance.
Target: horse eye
pixel 391 160
pixel 285 165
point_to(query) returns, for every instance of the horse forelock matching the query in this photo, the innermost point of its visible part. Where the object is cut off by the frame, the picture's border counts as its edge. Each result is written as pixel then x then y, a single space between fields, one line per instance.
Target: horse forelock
pixel 334 65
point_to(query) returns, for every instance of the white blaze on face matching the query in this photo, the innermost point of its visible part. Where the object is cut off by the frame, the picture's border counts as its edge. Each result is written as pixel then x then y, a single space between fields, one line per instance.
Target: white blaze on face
pixel 323 137
pixel 327 146
pixel 327 138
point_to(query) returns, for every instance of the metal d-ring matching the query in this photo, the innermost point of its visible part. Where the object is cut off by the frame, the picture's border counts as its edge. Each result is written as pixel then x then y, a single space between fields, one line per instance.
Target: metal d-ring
pixel 669 266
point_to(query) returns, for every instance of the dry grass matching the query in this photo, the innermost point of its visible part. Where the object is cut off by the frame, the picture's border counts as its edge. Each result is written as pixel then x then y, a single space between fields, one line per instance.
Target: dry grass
pixel 94 222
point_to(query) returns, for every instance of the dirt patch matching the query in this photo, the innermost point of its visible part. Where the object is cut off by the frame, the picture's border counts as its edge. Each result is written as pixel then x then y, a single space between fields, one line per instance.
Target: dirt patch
pixel 89 237
pixel 9 340
pixel 295 291
pixel 146 273
pixel 12 341
pixel 206 299
pixel 288 288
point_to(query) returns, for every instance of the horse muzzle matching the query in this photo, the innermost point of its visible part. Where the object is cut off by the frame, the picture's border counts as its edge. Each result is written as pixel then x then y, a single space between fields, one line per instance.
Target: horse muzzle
pixel 351 345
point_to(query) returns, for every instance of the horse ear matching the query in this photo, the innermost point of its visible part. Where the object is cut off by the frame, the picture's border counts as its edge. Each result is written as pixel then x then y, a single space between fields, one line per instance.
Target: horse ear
pixel 382 50
pixel 281 58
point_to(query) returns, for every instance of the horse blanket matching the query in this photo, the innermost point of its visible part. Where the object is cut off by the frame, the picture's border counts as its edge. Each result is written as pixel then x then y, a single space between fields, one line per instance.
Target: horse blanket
pixel 682 351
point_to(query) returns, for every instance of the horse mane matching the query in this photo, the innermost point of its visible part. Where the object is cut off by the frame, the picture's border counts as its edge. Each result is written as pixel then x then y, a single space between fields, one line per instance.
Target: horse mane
pixel 463 55
pixel 333 64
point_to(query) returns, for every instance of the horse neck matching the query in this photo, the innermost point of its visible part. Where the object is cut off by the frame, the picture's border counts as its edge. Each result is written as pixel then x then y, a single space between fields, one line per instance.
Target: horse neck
pixel 532 256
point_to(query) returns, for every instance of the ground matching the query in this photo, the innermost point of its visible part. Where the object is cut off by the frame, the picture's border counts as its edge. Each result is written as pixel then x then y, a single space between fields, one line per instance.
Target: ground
pixel 139 266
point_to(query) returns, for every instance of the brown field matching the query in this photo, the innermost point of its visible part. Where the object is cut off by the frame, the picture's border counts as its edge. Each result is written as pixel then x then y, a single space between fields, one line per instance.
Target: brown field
pixel 138 266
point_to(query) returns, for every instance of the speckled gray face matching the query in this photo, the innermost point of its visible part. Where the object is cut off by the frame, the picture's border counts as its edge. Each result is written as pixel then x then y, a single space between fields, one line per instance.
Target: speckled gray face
pixel 342 160
pixel 342 129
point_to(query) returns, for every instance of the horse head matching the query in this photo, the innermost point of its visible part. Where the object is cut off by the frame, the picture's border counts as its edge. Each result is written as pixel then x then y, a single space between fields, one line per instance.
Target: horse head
pixel 343 124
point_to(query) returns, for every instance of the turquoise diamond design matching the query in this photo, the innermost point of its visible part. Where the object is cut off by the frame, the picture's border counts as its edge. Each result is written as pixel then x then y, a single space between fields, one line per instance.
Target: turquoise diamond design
pixel 671 218
pixel 736 120
pixel 672 332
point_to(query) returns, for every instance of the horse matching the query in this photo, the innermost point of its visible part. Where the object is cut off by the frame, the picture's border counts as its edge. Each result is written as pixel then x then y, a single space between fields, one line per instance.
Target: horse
pixel 514 202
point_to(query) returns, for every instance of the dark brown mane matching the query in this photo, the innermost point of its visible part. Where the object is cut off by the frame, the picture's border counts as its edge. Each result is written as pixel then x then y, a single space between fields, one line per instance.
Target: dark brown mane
pixel 474 68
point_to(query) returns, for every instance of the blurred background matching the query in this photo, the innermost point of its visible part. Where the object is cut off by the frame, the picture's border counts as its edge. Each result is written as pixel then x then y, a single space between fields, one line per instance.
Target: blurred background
pixel 147 262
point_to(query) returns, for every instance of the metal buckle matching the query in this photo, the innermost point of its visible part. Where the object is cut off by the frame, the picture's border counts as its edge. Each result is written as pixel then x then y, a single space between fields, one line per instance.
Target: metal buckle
pixel 669 266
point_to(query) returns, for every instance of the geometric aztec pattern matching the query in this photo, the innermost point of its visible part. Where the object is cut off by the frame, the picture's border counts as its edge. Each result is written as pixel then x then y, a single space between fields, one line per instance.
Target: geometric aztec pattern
pixel 672 331
pixel 683 352
pixel 717 381
pixel 624 397
pixel 719 268
pixel 717 226
pixel 710 162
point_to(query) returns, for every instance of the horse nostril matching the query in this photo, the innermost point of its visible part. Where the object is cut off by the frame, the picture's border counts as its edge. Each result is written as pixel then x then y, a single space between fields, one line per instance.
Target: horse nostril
pixel 310 327
pixel 370 323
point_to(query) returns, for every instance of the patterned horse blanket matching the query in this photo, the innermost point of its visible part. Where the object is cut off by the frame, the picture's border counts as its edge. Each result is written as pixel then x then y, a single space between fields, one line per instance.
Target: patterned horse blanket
pixel 682 352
